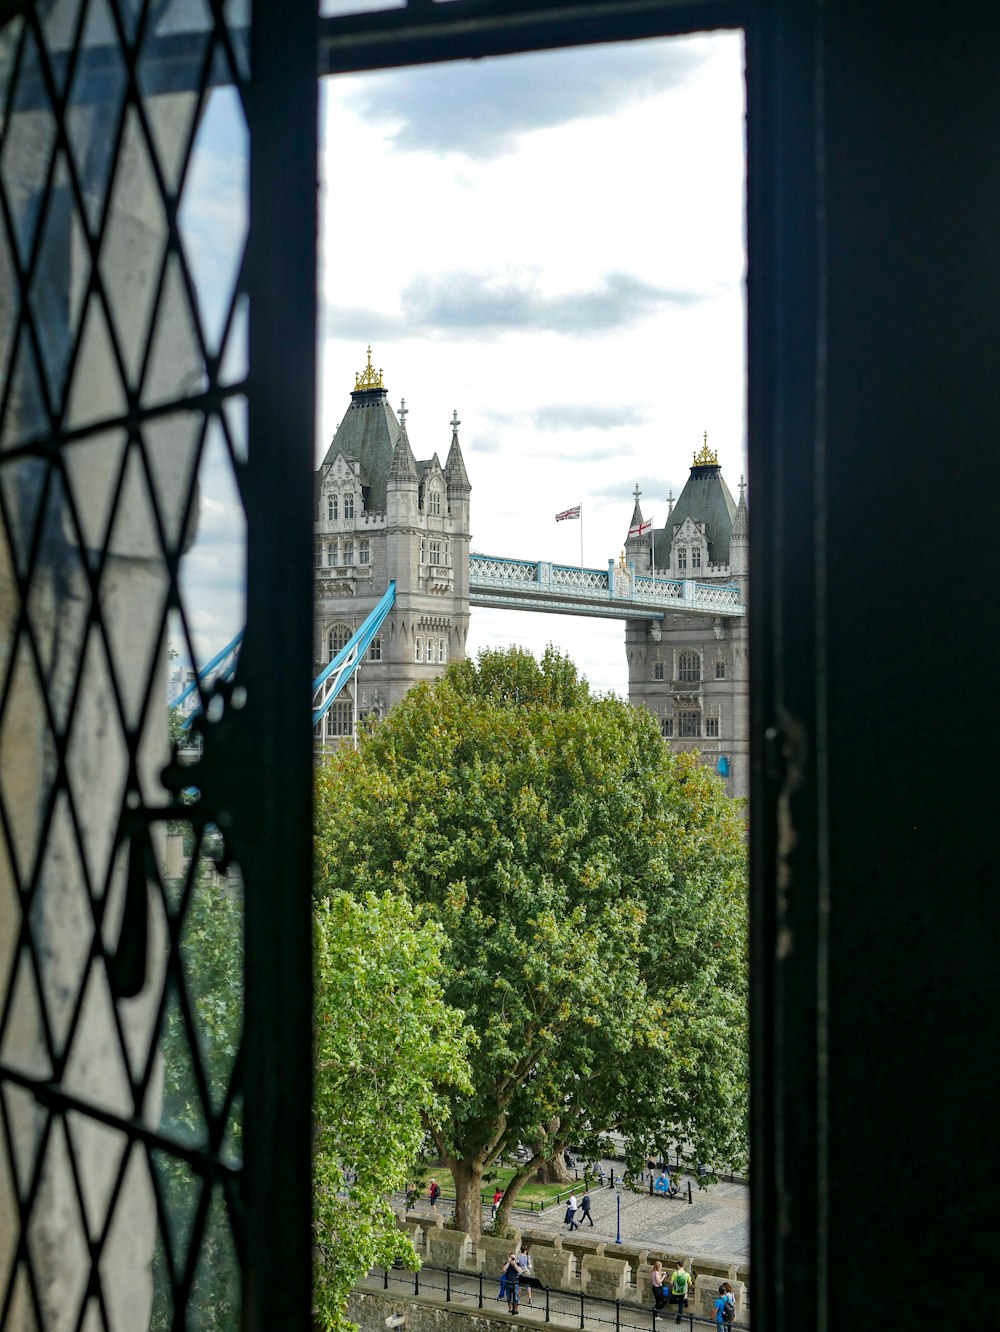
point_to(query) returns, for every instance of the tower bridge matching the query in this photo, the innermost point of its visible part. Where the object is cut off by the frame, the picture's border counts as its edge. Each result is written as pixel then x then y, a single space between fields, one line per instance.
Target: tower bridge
pixel 392 544
pixel 617 593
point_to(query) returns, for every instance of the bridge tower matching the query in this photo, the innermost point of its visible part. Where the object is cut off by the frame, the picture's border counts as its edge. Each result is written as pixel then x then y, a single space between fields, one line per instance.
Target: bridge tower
pixel 691 671
pixel 381 515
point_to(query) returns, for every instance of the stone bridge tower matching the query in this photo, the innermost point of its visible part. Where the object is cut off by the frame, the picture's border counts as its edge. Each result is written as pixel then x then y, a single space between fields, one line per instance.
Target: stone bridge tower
pixel 382 515
pixel 691 671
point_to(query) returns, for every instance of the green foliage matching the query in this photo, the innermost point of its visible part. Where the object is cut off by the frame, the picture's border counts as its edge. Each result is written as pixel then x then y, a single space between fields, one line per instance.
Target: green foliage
pixel 211 950
pixel 591 886
pixel 387 1049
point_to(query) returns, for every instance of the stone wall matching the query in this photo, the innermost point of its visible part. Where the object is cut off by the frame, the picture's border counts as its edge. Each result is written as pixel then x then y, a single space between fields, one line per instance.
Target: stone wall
pixel 577 1264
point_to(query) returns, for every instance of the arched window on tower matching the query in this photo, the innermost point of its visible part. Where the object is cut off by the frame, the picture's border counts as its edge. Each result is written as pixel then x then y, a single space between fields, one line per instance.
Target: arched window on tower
pixel 348 506
pixel 331 507
pixel 682 559
pixel 696 557
pixel 337 639
pixel 688 667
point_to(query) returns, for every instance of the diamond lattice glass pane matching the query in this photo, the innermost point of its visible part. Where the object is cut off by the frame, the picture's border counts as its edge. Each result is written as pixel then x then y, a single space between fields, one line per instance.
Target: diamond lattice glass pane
pixel 57 1245
pixel 212 954
pixel 96 391
pixel 62 925
pixel 213 213
pixel 124 1267
pixel 119 546
pixel 181 1191
pixel 95 106
pixel 97 775
pixel 215 1292
pixel 133 604
pixel 99 1152
pixel 25 417
pixel 176 366
pixel 27 149
pixel 60 20
pixel 172 114
pixel 10 305
pixel 26 780
pixel 55 310
pixel 171 449
pixel 93 468
pixel 133 245
pixel 235 356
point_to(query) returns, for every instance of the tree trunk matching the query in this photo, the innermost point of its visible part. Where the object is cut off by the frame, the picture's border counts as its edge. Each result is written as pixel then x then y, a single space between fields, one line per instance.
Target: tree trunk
pixel 510 1196
pixel 555 1171
pixel 468 1177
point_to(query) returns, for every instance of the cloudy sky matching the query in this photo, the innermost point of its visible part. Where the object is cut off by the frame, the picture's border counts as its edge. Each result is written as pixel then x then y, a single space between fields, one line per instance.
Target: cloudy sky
pixel 552 245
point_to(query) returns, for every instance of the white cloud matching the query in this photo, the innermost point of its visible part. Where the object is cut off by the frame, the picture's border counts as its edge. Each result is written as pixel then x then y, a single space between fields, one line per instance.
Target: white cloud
pixel 566 272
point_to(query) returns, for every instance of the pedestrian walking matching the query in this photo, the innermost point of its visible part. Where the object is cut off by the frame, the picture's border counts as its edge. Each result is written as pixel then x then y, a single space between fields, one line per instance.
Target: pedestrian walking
pixel 656 1280
pixel 585 1209
pixel 679 1283
pixel 496 1203
pixel 526 1265
pixel 434 1192
pixel 571 1213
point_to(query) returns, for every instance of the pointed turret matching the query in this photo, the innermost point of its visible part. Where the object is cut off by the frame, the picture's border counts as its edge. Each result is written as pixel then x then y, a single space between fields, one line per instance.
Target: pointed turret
pixel 458 477
pixel 637 543
pixel 636 512
pixel 404 466
pixel 739 537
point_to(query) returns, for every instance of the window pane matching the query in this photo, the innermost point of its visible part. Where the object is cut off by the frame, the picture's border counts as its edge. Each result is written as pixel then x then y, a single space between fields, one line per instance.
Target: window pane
pixel 123 578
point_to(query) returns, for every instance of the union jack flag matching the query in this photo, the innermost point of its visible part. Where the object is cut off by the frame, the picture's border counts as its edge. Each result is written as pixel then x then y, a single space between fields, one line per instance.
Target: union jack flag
pixel 568 513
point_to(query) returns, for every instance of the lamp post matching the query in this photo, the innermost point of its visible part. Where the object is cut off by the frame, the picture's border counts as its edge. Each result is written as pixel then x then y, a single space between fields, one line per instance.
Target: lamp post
pixel 618 1208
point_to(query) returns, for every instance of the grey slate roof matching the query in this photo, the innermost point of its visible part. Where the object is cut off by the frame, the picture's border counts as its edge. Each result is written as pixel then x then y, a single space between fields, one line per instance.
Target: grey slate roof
pixel 368 433
pixel 706 499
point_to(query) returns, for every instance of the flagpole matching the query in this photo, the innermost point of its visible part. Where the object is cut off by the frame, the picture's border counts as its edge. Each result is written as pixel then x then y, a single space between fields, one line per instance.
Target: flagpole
pixel 581 535
pixel 652 550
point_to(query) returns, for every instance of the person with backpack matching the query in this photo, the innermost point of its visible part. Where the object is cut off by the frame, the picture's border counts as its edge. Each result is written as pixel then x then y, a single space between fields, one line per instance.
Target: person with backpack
pixel 725 1306
pixel 679 1283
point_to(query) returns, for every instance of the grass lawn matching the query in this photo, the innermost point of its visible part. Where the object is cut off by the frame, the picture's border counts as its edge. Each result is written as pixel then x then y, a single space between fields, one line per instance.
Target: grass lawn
pixel 530 1192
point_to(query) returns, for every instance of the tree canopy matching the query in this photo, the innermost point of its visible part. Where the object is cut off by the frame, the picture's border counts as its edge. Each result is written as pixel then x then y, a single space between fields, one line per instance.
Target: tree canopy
pixel 591 889
pixel 387 1049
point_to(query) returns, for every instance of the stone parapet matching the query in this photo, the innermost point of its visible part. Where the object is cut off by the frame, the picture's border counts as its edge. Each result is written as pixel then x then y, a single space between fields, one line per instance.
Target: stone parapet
pixel 706 1292
pixel 606 1278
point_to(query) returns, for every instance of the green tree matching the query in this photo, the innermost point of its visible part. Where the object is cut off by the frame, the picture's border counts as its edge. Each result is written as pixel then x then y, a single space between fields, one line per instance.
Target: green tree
pixel 387 1050
pixel 591 886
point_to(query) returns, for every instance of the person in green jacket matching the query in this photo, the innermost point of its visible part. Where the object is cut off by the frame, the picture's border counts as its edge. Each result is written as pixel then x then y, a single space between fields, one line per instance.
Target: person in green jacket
pixel 679 1283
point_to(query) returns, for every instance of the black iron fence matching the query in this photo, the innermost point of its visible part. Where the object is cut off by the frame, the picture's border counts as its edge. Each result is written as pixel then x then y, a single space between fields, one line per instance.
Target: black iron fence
pixel 591 1313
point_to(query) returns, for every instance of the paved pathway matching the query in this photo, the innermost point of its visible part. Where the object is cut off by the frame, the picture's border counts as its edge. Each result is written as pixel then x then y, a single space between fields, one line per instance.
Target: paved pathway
pixel 715 1225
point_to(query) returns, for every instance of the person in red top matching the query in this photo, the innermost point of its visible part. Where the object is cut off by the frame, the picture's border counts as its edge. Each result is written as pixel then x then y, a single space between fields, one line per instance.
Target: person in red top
pixel 496 1201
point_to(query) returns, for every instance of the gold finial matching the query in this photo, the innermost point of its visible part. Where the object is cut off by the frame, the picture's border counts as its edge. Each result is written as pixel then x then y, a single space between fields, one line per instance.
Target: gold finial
pixel 707 457
pixel 369 378
pixel 621 562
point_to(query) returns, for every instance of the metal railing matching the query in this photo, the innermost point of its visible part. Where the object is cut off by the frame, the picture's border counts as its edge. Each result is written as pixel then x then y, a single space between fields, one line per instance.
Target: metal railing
pixel 566 1308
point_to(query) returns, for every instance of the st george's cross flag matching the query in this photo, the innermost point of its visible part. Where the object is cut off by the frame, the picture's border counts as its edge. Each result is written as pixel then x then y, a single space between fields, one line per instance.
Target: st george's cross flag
pixel 641 529
pixel 568 513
